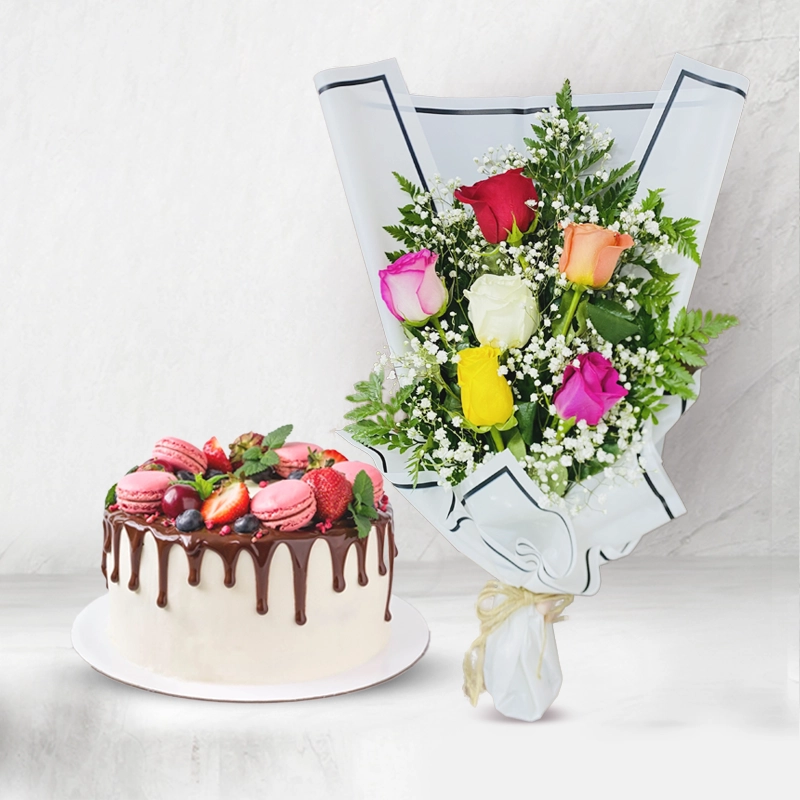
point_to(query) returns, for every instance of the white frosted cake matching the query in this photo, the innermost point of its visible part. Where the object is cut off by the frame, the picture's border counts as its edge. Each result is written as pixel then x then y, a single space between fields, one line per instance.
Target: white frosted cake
pixel 282 594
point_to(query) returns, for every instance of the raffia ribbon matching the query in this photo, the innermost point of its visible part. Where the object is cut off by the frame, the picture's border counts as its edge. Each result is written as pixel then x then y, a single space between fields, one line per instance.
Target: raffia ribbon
pixel 492 615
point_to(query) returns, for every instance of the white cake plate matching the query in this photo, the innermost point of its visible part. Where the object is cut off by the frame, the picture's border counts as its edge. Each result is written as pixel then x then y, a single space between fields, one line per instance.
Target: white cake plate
pixel 407 644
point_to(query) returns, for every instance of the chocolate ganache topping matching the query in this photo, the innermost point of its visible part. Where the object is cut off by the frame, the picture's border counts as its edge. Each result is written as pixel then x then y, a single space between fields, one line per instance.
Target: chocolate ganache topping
pixel 340 538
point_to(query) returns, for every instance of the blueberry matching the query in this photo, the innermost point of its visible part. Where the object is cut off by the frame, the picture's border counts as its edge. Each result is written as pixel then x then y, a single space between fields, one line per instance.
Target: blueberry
pixel 184 475
pixel 211 473
pixel 189 520
pixel 264 475
pixel 296 474
pixel 249 523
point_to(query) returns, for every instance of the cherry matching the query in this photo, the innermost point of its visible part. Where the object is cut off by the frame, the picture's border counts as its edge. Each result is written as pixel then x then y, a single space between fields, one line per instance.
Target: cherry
pixel 180 498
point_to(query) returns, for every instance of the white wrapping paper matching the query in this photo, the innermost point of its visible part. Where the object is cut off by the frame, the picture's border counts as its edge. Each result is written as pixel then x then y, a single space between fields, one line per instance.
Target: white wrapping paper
pixel 680 138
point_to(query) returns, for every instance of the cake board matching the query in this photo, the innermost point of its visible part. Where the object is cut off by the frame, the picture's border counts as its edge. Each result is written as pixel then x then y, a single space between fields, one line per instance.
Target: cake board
pixel 408 642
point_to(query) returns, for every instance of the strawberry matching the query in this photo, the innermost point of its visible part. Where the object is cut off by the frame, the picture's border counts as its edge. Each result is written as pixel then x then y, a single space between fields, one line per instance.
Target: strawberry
pixel 333 492
pixel 333 455
pixel 241 444
pixel 215 455
pixel 226 504
pixel 324 458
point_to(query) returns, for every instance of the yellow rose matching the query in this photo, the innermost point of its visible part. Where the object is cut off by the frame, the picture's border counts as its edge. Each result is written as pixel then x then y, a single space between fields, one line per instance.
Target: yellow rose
pixel 485 396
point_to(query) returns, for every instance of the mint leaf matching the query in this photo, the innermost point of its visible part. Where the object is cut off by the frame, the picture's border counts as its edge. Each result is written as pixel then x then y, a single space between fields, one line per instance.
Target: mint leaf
pixel 269 459
pixel 250 468
pixel 277 438
pixel 363 490
pixel 363 525
pixel 111 496
pixel 252 453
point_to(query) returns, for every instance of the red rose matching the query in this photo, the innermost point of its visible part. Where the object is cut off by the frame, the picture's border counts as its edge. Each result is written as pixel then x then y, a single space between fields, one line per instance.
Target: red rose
pixel 499 202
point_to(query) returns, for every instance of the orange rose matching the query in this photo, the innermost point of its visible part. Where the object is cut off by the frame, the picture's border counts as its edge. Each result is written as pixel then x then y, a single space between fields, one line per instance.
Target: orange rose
pixel 591 253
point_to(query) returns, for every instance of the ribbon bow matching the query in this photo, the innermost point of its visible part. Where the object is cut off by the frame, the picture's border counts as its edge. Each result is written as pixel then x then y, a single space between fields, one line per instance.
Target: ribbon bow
pixel 492 615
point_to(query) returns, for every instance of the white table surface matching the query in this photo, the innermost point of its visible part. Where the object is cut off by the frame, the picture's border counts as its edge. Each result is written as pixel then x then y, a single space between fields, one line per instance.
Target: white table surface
pixel 680 680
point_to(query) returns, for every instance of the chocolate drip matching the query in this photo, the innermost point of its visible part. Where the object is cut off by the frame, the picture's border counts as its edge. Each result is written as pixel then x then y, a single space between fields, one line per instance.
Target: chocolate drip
pixel 392 554
pixel 340 547
pixel 136 538
pixel 230 547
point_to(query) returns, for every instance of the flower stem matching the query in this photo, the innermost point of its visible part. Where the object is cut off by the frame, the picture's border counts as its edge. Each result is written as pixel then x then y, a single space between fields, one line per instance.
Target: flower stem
pixel 497 439
pixel 576 297
pixel 440 330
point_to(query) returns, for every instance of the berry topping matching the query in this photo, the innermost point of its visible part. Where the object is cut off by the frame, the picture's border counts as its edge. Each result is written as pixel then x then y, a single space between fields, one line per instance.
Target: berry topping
pixel 190 520
pixel 155 464
pixel 241 444
pixel 212 473
pixel 332 491
pixel 249 523
pixel 227 504
pixel 179 498
pixel 296 475
pixel 324 458
pixel 216 456
pixel 185 475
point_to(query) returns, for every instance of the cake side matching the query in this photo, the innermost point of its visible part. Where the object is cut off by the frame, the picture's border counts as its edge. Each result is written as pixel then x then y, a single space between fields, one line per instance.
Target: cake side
pixel 285 607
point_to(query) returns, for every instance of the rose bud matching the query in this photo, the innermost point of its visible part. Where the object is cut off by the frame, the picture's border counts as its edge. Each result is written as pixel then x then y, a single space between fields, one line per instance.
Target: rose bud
pixel 591 253
pixel 411 289
pixel 500 202
pixel 486 397
pixel 588 391
pixel 502 310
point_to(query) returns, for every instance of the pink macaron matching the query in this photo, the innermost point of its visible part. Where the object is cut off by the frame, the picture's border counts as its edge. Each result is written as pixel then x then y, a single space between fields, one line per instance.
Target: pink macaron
pixel 180 455
pixel 141 492
pixel 293 455
pixel 351 468
pixel 285 505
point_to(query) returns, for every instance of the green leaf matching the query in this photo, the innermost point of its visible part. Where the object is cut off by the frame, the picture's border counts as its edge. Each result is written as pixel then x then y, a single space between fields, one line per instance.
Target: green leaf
pixel 406 185
pixel 250 468
pixel 611 320
pixel 363 525
pixel 526 417
pixel 252 453
pixel 269 459
pixel 363 490
pixel 517 446
pixel 277 438
pixel 111 496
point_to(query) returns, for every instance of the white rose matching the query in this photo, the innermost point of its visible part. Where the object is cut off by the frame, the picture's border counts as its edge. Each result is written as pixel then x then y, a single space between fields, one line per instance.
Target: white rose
pixel 502 310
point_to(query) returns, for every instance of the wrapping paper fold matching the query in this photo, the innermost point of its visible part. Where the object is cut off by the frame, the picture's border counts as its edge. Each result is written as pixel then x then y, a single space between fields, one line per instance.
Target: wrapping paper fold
pixel 680 138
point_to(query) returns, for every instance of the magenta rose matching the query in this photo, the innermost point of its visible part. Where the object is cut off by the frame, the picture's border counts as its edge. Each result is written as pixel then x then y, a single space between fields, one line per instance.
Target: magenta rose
pixel 589 390
pixel 499 202
pixel 411 289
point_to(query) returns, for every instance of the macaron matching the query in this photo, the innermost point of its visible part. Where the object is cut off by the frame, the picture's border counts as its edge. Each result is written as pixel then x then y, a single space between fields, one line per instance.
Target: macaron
pixel 285 505
pixel 351 468
pixel 180 455
pixel 293 455
pixel 141 492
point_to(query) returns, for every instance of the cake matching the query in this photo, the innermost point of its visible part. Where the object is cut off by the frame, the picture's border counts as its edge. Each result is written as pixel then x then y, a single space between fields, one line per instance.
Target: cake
pixel 270 563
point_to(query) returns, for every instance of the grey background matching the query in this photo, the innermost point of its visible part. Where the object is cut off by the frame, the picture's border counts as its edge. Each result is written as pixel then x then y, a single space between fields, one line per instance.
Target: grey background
pixel 177 254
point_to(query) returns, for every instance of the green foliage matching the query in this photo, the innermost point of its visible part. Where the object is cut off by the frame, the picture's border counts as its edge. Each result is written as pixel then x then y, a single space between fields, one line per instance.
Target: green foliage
pixel 362 506
pixel 203 487
pixel 263 456
pixel 681 347
pixel 278 437
pixel 111 496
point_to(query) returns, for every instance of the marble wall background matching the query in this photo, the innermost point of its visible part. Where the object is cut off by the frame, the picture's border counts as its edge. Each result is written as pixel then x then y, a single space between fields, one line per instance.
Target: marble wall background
pixel 177 254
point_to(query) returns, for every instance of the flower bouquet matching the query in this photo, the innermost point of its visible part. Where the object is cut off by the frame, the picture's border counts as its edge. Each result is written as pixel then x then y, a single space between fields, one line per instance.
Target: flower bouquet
pixel 540 343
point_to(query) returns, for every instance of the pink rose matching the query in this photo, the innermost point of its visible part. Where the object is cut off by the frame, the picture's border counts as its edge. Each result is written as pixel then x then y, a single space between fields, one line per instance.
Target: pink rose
pixel 411 289
pixel 589 390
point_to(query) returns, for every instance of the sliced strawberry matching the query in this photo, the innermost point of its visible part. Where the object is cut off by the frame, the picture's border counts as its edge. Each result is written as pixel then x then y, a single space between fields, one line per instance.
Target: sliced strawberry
pixel 216 456
pixel 333 455
pixel 226 504
pixel 331 492
pixel 324 458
